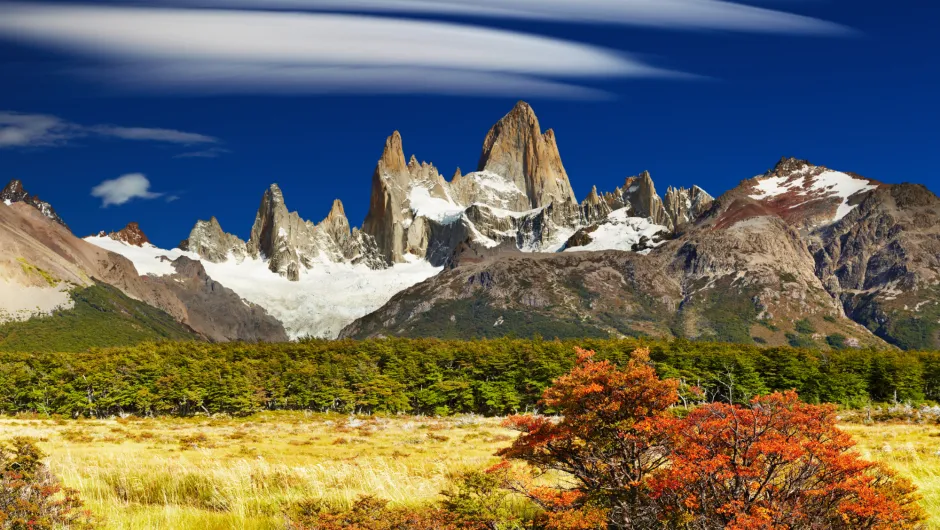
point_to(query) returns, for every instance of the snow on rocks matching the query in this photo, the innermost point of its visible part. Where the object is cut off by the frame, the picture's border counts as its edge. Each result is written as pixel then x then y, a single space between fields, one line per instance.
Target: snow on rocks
pixel 326 298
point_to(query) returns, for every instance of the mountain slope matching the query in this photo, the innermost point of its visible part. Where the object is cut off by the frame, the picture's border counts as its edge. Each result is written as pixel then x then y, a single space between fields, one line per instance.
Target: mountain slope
pixel 100 316
pixel 42 264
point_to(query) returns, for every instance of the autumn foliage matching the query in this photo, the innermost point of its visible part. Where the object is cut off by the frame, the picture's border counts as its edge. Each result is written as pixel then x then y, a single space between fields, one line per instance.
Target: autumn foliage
pixel 31 497
pixel 625 457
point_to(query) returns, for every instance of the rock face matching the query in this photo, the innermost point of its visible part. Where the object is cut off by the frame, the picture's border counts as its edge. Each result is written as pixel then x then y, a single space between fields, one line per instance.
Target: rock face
pixel 213 244
pixel 215 311
pixel 516 149
pixel 131 234
pixel 882 261
pixel 14 192
pixel 289 244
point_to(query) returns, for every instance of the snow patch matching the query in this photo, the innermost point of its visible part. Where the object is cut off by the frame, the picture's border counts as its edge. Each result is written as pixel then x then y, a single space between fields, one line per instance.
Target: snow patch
pixel 440 210
pixel 7 202
pixel 327 298
pixel 826 185
pixel 621 232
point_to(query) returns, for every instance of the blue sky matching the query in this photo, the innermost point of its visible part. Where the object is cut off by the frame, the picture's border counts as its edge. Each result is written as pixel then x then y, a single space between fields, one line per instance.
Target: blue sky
pixel 213 100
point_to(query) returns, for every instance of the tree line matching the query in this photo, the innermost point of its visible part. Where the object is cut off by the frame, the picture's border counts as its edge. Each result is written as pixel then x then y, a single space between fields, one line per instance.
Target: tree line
pixel 429 376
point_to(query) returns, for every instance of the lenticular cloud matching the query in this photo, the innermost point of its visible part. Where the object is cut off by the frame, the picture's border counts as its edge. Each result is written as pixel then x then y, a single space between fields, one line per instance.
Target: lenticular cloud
pixel 199 50
pixel 673 14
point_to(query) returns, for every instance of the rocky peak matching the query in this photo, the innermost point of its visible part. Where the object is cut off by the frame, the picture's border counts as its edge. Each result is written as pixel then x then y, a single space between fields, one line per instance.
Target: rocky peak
pixel 131 234
pixel 789 165
pixel 393 156
pixel 516 149
pixel 685 205
pixel 279 235
pixel 594 208
pixel 805 195
pixel 14 192
pixel 639 193
pixel 211 243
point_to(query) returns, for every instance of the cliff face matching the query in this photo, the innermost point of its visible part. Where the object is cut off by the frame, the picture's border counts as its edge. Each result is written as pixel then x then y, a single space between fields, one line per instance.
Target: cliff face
pixel 516 149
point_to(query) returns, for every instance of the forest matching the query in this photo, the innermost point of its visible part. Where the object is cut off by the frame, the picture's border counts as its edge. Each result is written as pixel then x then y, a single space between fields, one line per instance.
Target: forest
pixel 431 377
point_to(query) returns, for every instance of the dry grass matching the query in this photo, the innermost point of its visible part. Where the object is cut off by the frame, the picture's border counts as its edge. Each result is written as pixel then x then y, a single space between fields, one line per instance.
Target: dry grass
pixel 242 473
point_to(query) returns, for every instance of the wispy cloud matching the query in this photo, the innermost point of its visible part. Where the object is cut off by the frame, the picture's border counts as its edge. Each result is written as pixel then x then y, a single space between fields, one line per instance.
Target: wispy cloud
pixel 674 14
pixel 212 152
pixel 123 189
pixel 206 50
pixel 25 130
pixel 42 130
pixel 154 135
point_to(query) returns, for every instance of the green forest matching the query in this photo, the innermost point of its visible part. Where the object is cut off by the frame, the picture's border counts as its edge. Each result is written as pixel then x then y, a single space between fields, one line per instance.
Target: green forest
pixel 429 376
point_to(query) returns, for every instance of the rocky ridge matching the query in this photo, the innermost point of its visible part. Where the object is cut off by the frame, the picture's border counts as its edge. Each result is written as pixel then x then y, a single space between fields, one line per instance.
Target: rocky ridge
pixel 519 199
pixel 14 192
pixel 130 234
pixel 853 260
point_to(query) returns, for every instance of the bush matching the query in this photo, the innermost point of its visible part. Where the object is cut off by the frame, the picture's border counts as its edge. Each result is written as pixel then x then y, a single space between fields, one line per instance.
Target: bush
pixel 371 513
pixel 837 341
pixel 805 327
pixel 31 497
pixel 633 462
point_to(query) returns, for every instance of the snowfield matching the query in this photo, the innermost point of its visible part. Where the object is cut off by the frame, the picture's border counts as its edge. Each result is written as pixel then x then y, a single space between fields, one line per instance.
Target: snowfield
pixel 828 184
pixel 327 298
pixel 621 232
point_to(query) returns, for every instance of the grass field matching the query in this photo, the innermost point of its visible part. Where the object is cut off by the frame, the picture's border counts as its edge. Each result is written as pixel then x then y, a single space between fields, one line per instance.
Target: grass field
pixel 243 473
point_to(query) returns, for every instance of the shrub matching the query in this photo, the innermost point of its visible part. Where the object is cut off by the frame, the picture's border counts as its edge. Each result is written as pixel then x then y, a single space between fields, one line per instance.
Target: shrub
pixel 632 462
pixel 837 341
pixel 31 497
pixel 371 513
pixel 805 327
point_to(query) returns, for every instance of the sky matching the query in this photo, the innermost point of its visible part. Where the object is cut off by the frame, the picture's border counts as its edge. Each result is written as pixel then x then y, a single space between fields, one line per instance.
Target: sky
pixel 164 112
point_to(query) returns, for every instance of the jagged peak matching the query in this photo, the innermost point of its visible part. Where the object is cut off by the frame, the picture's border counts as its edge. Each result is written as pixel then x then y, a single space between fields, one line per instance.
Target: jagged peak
pixel 15 192
pixel 14 187
pixel 274 194
pixel 789 164
pixel 131 234
pixel 457 175
pixel 393 156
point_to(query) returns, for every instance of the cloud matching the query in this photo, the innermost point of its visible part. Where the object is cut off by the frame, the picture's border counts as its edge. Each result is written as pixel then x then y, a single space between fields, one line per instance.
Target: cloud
pixel 675 14
pixel 212 152
pixel 155 135
pixel 217 51
pixel 122 189
pixel 22 130
pixel 42 130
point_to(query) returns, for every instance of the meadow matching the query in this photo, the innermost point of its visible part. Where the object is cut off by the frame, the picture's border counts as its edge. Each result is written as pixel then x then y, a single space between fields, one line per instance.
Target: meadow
pixel 220 473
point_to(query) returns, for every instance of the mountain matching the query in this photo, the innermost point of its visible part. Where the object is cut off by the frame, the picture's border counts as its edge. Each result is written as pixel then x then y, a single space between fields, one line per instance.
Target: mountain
pixel 801 254
pixel 43 267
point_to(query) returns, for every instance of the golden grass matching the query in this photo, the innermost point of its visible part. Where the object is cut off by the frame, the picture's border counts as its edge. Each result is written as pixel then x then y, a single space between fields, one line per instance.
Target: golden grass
pixel 242 473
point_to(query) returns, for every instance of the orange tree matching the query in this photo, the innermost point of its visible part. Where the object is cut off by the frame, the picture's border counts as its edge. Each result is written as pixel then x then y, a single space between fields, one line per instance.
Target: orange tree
pixel 620 455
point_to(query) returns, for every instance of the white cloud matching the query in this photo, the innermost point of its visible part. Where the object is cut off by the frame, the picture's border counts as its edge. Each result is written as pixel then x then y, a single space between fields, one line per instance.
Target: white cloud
pixel 23 130
pixel 38 130
pixel 208 50
pixel 677 14
pixel 122 189
pixel 156 135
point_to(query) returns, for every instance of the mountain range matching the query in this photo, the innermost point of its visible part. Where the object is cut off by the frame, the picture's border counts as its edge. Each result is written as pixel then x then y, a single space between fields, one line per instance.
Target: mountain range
pixel 800 255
